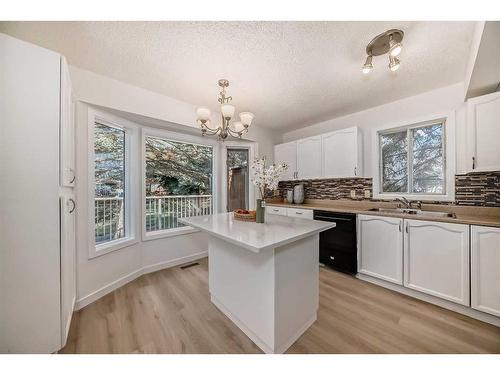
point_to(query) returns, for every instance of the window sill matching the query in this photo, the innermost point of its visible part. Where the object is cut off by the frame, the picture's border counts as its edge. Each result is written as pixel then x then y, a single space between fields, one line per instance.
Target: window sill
pixel 415 197
pixel 168 233
pixel 111 246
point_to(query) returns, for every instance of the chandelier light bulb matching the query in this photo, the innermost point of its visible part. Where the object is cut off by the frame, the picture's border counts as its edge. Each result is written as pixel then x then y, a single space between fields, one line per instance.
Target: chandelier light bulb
pixel 393 63
pixel 227 110
pixel 203 113
pixel 368 65
pixel 246 118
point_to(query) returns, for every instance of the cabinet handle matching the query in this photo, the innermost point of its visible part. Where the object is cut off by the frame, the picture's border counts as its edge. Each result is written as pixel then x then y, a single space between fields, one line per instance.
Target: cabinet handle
pixel 74 205
pixel 298 213
pixel 332 258
pixel 74 175
pixel 355 170
pixel 275 210
pixel 400 226
pixel 473 162
pixel 406 228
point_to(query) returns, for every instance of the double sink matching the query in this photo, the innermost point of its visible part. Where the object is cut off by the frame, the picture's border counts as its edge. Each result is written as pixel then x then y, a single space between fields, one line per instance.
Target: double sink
pixel 412 211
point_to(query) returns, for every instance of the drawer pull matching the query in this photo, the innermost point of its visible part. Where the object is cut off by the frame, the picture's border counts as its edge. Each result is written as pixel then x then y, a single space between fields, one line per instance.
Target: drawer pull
pixel 298 213
pixel 275 210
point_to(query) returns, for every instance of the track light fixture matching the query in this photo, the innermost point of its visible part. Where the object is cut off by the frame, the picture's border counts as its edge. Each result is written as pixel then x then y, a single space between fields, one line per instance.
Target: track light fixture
pixel 368 65
pixel 387 42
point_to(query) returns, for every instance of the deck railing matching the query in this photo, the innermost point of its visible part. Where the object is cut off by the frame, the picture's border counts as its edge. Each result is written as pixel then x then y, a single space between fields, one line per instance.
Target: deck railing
pixel 162 212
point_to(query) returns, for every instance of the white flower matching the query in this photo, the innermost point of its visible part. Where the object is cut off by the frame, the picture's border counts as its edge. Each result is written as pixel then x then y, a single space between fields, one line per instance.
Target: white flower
pixel 268 178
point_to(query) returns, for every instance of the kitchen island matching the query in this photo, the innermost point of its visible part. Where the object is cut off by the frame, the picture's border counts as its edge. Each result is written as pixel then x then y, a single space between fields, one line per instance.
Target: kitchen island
pixel 264 277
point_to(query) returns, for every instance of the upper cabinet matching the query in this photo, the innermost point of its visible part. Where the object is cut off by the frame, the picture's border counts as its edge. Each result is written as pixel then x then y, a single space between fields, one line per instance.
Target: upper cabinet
pixel 342 153
pixel 332 155
pixel 309 158
pixel 483 118
pixel 287 153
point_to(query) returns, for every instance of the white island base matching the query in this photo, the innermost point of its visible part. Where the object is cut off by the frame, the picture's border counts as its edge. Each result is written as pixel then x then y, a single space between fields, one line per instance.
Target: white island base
pixel 272 296
pixel 264 277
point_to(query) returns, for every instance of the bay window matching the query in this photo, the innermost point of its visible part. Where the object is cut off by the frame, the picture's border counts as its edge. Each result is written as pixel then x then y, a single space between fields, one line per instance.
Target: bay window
pixel 111 194
pixel 178 182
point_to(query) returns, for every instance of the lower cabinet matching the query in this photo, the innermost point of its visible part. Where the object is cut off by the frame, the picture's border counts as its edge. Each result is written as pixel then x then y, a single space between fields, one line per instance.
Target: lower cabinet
pixel 302 213
pixel 299 212
pixel 380 247
pixel 485 269
pixel 436 259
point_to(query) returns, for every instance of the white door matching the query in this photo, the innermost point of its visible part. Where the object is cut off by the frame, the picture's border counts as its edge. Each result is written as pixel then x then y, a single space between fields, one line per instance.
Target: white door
pixel 484 133
pixel 68 277
pixel 485 269
pixel 67 129
pixel 380 247
pixel 287 153
pixel 436 259
pixel 340 154
pixel 309 158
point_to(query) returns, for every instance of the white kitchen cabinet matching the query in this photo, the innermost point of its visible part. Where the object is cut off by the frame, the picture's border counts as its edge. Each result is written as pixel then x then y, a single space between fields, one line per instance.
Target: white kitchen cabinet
pixel 485 269
pixel 68 251
pixel 309 158
pixel 275 210
pixel 380 247
pixel 342 153
pixel 37 252
pixel 436 259
pixel 302 213
pixel 483 119
pixel 287 153
pixel 67 130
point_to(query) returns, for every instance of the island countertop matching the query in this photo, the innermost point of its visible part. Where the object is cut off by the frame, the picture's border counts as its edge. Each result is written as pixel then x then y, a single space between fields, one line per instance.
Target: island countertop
pixel 276 231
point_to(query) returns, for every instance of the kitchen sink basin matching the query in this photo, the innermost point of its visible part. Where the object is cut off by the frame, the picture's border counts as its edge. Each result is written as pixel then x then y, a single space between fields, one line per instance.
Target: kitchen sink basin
pixel 412 211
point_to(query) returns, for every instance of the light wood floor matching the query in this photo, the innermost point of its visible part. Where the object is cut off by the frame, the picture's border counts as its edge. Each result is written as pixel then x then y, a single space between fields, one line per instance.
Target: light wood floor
pixel 169 311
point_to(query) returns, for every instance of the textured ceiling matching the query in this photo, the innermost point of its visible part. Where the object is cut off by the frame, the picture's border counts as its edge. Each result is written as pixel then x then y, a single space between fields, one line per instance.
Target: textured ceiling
pixel 290 74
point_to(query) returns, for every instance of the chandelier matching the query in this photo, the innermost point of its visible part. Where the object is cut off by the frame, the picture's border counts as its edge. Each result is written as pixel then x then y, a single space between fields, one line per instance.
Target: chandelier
pixel 388 42
pixel 235 129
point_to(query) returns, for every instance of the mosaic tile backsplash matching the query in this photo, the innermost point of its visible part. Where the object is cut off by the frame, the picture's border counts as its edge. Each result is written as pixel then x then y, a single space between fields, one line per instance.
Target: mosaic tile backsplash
pixel 472 189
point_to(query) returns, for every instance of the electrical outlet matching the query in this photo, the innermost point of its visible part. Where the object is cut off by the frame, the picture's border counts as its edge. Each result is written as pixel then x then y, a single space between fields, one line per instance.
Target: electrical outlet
pixel 367 194
pixel 353 194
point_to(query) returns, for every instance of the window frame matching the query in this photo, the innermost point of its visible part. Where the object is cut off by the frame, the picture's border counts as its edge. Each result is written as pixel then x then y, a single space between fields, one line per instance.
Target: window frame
pixel 178 137
pixel 449 156
pixel 130 237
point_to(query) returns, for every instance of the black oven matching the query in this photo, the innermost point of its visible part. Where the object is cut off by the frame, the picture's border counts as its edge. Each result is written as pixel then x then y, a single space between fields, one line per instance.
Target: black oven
pixel 337 246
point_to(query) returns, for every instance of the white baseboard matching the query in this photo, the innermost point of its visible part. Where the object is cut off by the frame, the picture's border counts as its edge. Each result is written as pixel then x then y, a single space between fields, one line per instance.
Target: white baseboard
pixel 465 310
pixel 172 263
pixel 101 292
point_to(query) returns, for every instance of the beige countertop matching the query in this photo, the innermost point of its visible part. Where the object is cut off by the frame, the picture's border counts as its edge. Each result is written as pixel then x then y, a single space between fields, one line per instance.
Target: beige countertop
pixel 486 216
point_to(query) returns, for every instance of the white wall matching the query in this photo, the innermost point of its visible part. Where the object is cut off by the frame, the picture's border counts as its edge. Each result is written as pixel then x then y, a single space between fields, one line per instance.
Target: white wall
pixel 443 100
pixel 97 276
pixel 107 92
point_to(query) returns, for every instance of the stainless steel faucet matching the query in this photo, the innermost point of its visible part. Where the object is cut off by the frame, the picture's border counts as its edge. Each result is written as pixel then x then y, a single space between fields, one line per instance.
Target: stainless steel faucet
pixel 405 202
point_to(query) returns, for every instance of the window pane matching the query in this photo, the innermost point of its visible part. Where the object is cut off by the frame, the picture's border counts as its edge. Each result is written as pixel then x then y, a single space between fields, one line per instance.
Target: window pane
pixel 394 156
pixel 109 149
pixel 428 165
pixel 178 182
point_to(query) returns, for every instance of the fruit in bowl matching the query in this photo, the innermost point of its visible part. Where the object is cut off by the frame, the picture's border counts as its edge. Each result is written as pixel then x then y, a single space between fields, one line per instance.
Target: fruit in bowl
pixel 242 212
